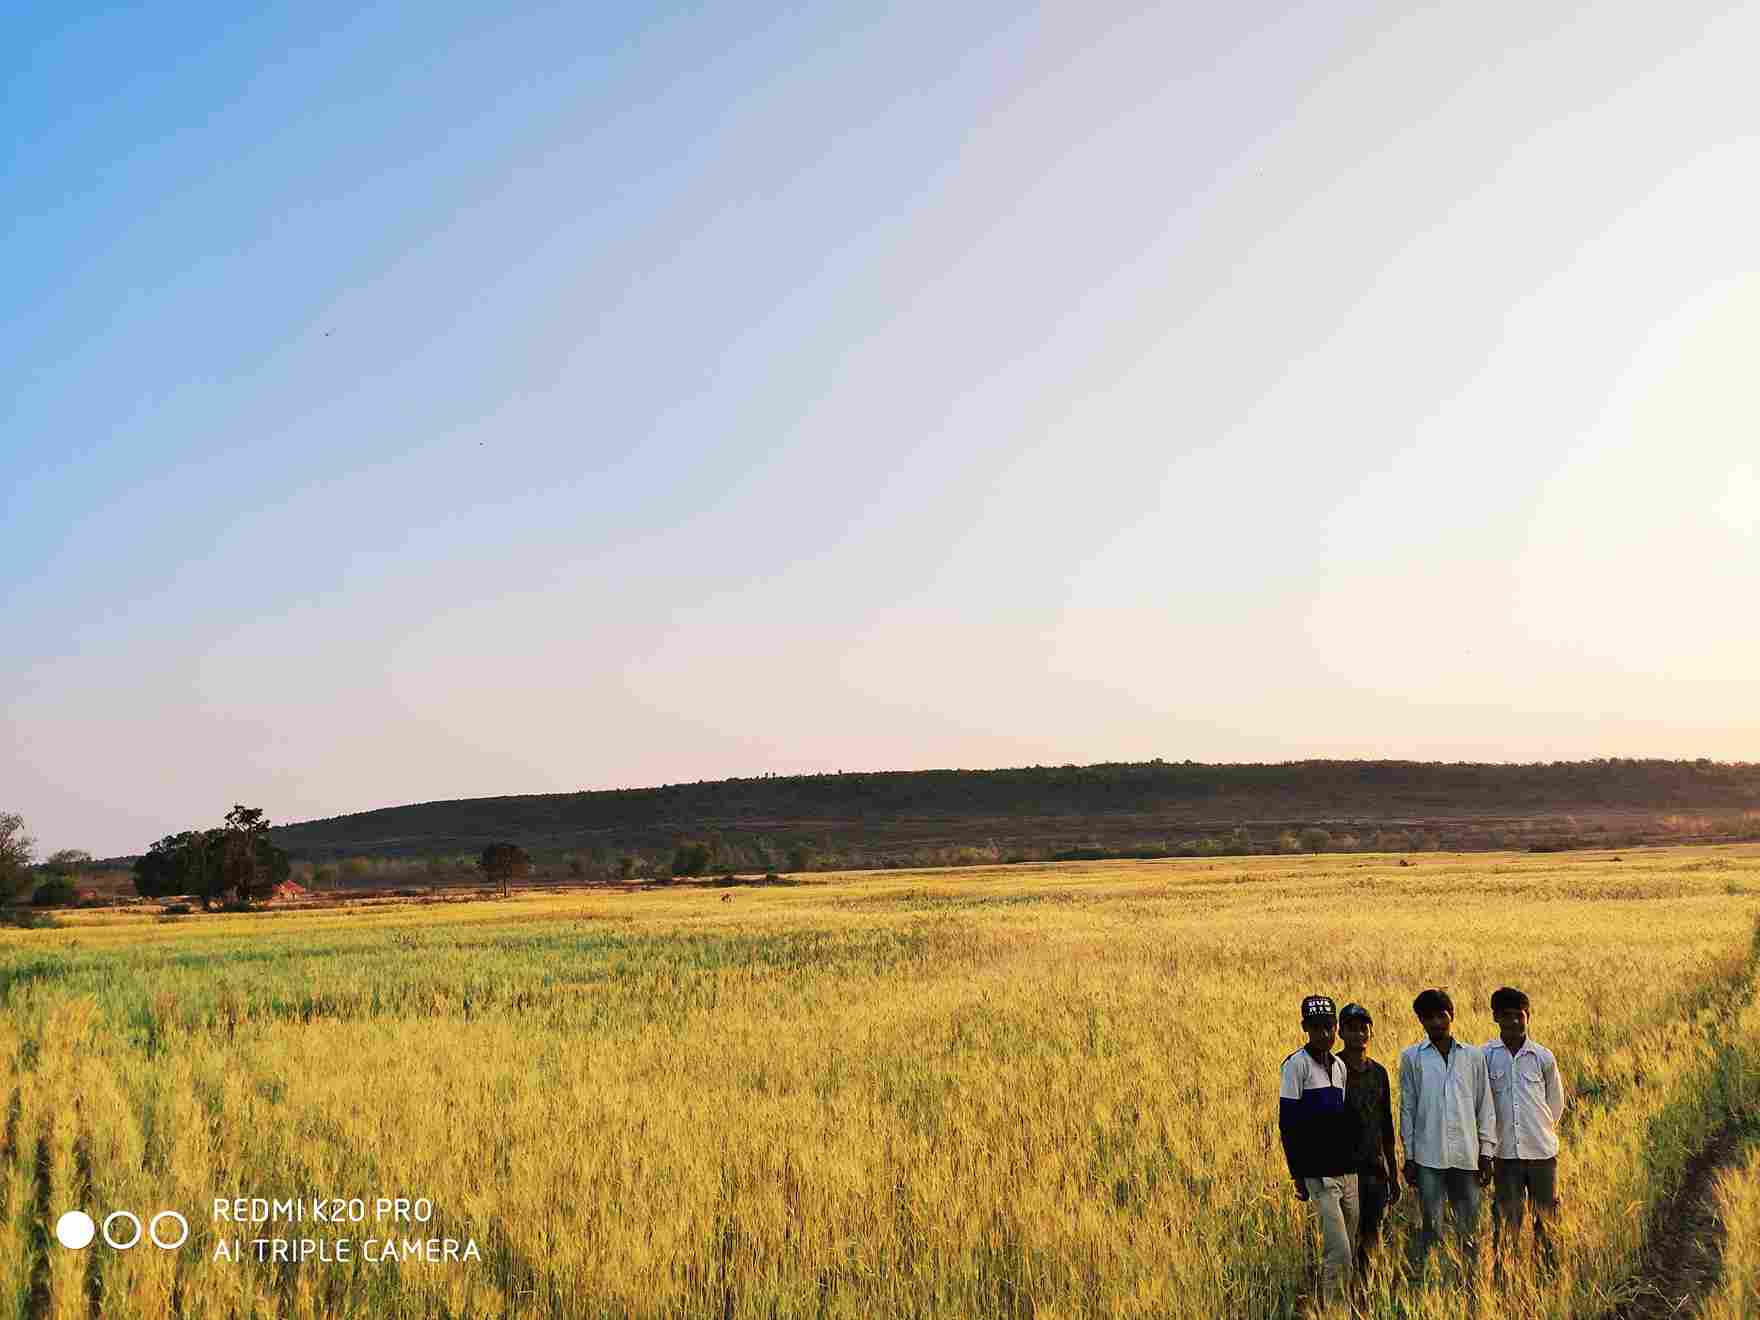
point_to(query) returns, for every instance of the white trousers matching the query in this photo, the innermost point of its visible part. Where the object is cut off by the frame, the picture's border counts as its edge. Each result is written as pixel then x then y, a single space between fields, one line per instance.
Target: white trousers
pixel 1335 1205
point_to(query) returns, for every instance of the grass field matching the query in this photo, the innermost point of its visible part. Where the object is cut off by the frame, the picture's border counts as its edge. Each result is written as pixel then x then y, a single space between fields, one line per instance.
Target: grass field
pixel 994 1092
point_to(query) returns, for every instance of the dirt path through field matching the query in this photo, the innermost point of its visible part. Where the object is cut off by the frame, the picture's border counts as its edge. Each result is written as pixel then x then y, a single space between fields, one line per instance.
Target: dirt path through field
pixel 1684 1254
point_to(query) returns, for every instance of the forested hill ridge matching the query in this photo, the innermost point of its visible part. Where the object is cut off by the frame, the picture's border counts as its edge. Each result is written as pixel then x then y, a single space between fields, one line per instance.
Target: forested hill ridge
pixel 903 817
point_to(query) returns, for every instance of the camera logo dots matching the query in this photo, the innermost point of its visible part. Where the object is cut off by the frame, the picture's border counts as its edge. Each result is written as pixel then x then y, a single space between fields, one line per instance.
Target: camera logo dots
pixel 75 1229
pixel 122 1229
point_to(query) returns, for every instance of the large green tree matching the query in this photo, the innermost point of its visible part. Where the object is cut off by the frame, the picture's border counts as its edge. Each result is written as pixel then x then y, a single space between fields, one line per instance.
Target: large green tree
pixel 16 848
pixel 247 862
pixel 184 863
pixel 234 858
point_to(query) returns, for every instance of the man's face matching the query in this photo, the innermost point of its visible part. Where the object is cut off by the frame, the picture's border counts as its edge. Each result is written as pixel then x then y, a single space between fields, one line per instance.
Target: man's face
pixel 1513 1023
pixel 1355 1034
pixel 1437 1024
pixel 1322 1033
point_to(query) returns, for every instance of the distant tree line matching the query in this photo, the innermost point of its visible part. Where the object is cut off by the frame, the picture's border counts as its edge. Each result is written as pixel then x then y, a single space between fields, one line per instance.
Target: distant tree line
pixel 717 853
pixel 870 811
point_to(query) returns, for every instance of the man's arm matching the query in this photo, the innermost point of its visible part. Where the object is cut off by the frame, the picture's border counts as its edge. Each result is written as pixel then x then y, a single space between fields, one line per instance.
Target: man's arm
pixel 1554 1088
pixel 1289 1106
pixel 1408 1102
pixel 1486 1110
pixel 1387 1140
pixel 1387 1152
pixel 1285 1113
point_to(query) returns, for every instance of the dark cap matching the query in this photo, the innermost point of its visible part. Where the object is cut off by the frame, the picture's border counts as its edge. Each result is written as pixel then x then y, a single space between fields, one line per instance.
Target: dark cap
pixel 1356 1011
pixel 1319 1008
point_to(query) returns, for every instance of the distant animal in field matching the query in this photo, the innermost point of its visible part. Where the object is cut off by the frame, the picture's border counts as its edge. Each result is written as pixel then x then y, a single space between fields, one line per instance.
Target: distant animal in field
pixel 1616 859
pixel 727 898
pixel 1404 862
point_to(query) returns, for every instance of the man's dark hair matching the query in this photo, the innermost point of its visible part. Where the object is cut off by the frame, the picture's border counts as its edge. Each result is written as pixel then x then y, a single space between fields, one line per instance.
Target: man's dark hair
pixel 1508 997
pixel 1430 1001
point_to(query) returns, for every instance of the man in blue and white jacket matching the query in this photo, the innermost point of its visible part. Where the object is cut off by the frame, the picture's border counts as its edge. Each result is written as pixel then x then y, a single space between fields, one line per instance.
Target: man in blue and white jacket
pixel 1319 1142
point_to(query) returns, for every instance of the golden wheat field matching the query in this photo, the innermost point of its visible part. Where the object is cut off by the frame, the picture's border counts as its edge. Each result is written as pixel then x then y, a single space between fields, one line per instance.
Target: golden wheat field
pixel 1015 1091
pixel 1737 1296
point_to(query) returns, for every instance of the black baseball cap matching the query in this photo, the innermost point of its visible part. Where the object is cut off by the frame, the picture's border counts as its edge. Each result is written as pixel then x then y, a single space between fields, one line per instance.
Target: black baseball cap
pixel 1319 1008
pixel 1354 1010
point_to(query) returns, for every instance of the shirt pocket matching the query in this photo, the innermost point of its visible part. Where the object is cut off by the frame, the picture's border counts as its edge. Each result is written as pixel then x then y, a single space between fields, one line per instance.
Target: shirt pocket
pixel 1529 1069
pixel 1500 1077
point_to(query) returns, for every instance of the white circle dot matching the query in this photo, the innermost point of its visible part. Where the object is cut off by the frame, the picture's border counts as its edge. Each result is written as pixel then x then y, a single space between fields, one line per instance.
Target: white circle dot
pixel 75 1229
pixel 153 1230
pixel 132 1218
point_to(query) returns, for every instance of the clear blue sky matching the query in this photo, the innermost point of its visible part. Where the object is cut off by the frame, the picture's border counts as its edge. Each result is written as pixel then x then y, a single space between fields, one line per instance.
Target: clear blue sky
pixel 430 402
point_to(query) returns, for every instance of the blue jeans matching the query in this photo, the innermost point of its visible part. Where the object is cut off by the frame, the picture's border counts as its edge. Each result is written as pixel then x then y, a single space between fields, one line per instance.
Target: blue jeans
pixel 1461 1187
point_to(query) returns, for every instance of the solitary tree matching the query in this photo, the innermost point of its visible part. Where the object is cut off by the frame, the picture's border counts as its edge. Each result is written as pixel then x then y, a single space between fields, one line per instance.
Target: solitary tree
pixel 248 864
pixel 502 863
pixel 15 856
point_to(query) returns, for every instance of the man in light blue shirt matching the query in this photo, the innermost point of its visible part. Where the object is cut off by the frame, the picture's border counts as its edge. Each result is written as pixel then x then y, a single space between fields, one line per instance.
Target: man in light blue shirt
pixel 1448 1126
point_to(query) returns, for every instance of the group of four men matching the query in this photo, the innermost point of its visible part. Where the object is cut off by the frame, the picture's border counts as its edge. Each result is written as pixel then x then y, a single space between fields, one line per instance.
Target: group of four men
pixel 1468 1115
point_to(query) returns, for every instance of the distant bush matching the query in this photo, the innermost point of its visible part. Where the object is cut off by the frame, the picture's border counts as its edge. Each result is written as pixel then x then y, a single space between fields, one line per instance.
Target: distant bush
pixel 691 858
pixel 175 910
pixel 1235 843
pixel 1315 840
pixel 25 919
pixel 1084 853
pixel 1288 843
pixel 988 855
pixel 56 892
pixel 1393 841
pixel 69 861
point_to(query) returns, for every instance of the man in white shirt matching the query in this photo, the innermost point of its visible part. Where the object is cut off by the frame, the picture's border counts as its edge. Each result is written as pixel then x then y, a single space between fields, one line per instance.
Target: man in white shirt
pixel 1448 1126
pixel 1529 1097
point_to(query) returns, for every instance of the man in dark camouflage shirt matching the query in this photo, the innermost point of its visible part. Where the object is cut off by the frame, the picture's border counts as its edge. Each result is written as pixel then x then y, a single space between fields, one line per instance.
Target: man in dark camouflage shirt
pixel 1369 1096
